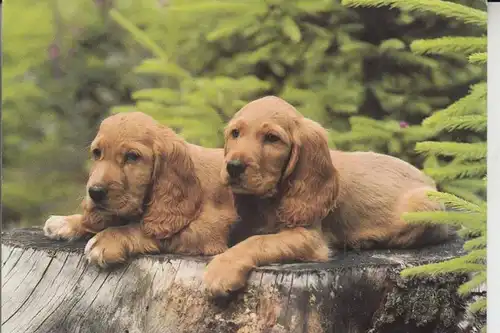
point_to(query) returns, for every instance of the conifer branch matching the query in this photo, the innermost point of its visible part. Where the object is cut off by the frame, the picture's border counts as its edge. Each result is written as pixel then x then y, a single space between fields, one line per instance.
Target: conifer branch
pixel 462 192
pixel 478 58
pixel 468 287
pixel 453 172
pixel 466 151
pixel 442 8
pixel 450 45
pixel 476 243
pixel 453 202
pixel 478 306
pixel 475 100
pixel 450 266
pixel 469 220
pixel 476 123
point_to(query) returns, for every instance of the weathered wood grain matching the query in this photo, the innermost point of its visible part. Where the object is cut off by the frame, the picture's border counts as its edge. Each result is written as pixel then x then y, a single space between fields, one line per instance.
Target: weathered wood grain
pixel 47 286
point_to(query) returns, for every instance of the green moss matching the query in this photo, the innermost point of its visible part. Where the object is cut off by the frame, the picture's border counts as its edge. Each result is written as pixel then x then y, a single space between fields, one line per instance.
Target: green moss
pixel 426 302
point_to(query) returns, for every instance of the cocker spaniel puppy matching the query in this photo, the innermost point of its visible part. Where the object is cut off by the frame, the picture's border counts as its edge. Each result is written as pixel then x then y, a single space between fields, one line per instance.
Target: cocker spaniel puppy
pixel 143 172
pixel 295 196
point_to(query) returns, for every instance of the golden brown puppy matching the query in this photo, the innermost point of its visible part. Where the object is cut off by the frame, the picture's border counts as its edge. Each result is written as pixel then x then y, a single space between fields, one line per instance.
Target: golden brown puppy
pixel 296 196
pixel 143 171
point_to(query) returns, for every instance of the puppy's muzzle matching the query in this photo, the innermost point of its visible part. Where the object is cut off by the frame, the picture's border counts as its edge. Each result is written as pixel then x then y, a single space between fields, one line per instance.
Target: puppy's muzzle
pixel 235 168
pixel 98 193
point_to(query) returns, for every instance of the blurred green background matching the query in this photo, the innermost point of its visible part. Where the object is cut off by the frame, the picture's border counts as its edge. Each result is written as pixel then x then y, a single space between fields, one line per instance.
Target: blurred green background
pixel 192 64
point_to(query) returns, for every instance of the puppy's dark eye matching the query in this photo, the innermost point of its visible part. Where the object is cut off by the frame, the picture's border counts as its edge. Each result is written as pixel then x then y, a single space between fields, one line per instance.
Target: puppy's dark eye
pixel 235 133
pixel 270 138
pixel 96 153
pixel 131 157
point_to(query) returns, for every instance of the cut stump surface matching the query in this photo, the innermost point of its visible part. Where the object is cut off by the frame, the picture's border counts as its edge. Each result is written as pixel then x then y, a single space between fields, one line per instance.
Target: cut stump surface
pixel 48 287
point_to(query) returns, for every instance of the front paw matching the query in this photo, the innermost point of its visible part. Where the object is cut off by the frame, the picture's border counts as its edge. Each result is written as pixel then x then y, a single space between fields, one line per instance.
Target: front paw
pixel 156 231
pixel 225 275
pixel 60 228
pixel 105 249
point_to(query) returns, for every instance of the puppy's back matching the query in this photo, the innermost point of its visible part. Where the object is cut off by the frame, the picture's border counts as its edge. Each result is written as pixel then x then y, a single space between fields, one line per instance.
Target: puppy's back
pixel 378 172
pixel 372 189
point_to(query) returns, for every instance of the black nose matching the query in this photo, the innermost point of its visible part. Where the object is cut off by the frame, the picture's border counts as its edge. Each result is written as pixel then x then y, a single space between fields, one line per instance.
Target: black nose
pixel 97 193
pixel 235 168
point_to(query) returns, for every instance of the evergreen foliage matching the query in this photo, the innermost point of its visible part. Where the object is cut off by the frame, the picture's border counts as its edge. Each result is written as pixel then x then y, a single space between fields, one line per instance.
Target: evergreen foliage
pixel 337 65
pixel 464 168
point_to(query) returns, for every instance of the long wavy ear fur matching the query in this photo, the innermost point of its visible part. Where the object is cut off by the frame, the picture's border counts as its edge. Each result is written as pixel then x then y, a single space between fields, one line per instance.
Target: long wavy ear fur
pixel 311 182
pixel 175 198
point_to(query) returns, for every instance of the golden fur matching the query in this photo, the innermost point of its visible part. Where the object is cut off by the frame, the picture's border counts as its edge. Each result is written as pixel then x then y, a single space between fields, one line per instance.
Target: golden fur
pixel 151 175
pixel 295 196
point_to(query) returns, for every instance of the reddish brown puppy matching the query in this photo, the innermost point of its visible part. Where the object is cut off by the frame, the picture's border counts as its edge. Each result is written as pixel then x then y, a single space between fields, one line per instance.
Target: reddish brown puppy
pixel 143 171
pixel 296 196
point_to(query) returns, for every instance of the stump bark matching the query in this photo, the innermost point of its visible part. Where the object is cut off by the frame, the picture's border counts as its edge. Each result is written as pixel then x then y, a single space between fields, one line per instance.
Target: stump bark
pixel 47 286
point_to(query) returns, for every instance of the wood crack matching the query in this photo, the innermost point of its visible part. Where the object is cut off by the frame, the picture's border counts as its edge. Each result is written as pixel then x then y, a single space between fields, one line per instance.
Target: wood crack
pixel 352 293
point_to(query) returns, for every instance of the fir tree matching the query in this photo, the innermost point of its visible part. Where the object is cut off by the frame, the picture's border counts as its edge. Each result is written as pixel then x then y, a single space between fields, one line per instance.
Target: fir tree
pixel 330 61
pixel 464 169
pixel 408 85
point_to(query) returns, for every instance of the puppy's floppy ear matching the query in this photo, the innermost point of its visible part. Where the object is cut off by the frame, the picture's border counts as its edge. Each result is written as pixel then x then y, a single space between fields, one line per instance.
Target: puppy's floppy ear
pixel 311 182
pixel 226 135
pixel 175 197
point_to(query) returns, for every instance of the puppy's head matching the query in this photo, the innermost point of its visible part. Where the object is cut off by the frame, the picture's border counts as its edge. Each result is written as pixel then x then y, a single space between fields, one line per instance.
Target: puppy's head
pixel 271 149
pixel 137 164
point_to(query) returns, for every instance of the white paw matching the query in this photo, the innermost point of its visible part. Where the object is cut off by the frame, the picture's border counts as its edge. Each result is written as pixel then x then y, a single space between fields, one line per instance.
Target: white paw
pixel 58 227
pixel 90 245
pixel 93 253
pixel 102 250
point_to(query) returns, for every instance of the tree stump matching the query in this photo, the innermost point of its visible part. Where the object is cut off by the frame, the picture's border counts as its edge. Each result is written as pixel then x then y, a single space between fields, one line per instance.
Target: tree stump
pixel 47 286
